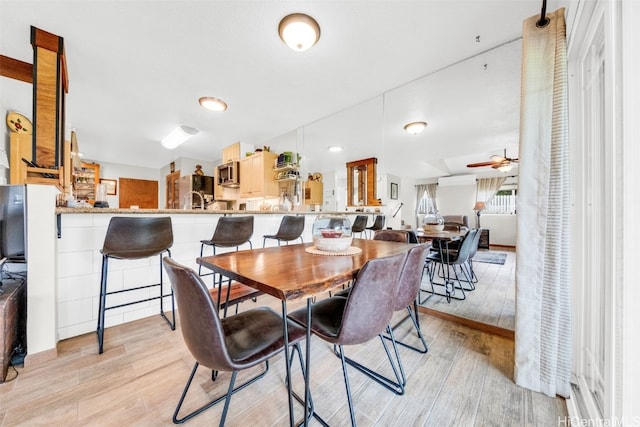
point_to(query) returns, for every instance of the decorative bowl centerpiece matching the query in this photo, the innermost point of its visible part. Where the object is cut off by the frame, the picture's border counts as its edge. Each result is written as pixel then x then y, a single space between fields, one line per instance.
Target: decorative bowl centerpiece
pixel 433 222
pixel 332 232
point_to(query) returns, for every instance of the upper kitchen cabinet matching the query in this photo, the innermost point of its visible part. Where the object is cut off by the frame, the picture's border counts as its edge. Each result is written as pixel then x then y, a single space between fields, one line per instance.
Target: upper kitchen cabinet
pixel 256 175
pixel 235 152
pixel 85 181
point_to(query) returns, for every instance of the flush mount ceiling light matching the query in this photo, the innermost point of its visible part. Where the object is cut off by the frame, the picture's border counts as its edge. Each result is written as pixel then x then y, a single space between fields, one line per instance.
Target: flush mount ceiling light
pixel 213 104
pixel 178 136
pixel 335 149
pixel 415 128
pixel 299 31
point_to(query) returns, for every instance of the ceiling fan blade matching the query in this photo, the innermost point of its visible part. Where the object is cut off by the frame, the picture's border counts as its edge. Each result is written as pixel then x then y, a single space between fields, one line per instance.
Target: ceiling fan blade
pixel 477 165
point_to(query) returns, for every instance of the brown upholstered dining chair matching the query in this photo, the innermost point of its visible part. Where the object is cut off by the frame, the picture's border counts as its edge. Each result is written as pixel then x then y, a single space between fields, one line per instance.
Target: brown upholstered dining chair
pixel 360 317
pixel 392 236
pixel 131 238
pixel 406 297
pixel 291 228
pixel 231 344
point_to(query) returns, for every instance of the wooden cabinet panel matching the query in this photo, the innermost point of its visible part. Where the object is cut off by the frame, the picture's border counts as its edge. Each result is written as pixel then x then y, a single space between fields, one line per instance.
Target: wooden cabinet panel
pixel 313 193
pixel 140 192
pixel 173 195
pixel 235 152
pixel 256 176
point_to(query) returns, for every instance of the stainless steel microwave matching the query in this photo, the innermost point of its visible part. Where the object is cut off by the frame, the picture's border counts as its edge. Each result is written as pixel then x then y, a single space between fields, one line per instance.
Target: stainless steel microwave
pixel 229 175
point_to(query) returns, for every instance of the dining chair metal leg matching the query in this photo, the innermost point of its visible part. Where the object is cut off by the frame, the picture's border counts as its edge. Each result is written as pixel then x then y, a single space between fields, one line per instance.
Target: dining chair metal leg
pixel 397 385
pixel 346 383
pixel 413 315
pixel 226 396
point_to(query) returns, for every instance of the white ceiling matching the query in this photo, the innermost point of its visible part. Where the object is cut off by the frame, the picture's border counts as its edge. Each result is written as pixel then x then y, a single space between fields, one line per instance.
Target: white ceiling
pixel 137 68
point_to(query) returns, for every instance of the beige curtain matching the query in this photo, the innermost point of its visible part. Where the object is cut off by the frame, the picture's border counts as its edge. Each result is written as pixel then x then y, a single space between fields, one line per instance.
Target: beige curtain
pixel 421 190
pixel 431 194
pixel 486 188
pixel 543 306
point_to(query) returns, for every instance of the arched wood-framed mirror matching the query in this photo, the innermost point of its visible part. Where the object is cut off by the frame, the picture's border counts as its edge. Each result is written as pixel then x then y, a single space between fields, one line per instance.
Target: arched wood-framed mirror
pixel 361 182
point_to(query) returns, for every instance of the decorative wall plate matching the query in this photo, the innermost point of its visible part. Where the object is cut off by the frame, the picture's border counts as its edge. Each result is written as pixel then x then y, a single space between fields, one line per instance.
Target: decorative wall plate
pixel 18 123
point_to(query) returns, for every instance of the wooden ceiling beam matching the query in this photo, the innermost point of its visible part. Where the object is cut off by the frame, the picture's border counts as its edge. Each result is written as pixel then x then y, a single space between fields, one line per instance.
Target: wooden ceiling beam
pixel 16 69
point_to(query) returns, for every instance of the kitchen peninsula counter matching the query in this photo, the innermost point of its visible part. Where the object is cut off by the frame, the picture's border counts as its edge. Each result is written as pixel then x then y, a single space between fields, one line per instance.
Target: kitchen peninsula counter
pixel 81 233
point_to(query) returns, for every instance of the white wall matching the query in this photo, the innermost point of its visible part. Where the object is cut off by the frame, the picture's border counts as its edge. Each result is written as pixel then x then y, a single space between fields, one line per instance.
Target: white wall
pixel 117 171
pixel 41 268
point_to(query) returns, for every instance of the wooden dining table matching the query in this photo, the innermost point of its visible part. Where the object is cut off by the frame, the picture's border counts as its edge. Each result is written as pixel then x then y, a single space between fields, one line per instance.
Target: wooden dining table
pixel 291 273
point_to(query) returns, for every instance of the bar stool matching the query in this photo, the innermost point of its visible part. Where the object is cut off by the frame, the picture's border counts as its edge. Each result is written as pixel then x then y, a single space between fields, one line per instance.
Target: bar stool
pixel 230 231
pixel 130 238
pixel 291 228
pixel 359 225
pixel 378 224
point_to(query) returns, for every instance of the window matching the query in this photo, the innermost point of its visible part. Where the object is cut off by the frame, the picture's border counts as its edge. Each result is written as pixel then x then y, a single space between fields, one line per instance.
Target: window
pixel 504 202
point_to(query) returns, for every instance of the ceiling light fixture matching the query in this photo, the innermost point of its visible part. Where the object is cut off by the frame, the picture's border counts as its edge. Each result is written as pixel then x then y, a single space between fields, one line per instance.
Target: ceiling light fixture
pixel 213 104
pixel 506 167
pixel 178 136
pixel 415 128
pixel 335 148
pixel 299 31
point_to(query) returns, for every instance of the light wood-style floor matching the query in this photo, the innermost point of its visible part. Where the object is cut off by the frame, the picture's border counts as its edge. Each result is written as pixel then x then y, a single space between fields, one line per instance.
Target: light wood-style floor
pixel 465 379
pixel 493 301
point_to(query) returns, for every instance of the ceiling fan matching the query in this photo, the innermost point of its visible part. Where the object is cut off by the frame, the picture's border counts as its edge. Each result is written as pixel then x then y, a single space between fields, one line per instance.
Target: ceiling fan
pixel 502 163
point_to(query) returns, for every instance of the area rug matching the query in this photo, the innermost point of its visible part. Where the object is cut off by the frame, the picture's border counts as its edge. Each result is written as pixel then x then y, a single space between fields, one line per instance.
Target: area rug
pixel 490 257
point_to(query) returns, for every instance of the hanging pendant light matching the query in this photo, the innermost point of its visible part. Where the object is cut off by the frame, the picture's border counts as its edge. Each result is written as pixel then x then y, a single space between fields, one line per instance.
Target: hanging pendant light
pixel 299 31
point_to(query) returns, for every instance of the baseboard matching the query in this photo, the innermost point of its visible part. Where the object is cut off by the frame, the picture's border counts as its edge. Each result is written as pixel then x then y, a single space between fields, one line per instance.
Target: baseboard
pixel 474 324
pixel 511 247
pixel 41 357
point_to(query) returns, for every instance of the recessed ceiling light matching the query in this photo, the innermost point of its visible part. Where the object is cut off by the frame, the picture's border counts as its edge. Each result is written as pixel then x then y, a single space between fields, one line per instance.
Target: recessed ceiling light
pixel 415 128
pixel 299 31
pixel 213 104
pixel 178 136
pixel 335 149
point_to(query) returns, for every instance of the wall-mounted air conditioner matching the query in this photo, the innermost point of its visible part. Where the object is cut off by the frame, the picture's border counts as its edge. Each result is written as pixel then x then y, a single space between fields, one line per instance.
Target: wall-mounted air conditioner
pixel 447 181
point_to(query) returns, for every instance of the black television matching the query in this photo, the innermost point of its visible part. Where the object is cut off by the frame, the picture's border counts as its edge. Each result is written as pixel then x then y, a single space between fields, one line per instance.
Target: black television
pixel 12 223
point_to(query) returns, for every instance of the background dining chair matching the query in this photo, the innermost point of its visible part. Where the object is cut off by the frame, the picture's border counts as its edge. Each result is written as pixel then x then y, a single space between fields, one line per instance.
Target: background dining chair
pixel 360 317
pixel 448 260
pixel 474 249
pixel 359 224
pixel 378 224
pixel 130 238
pixel 291 228
pixel 232 344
